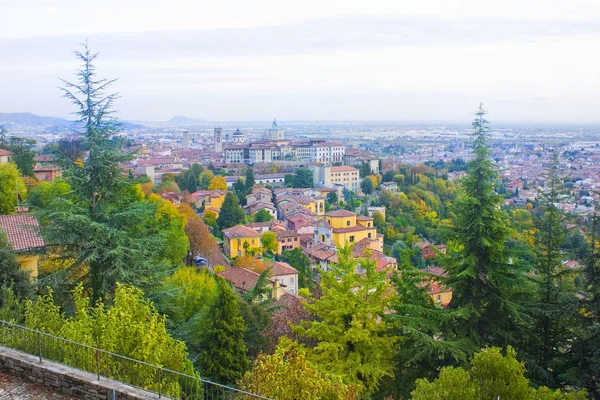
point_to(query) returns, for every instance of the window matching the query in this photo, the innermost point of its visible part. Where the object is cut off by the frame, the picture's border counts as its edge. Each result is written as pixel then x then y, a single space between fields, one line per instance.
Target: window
pixel 295 239
pixel 347 223
pixel 368 224
pixel 253 241
pixel 292 281
pixel 351 239
pixel 439 298
pixel 369 235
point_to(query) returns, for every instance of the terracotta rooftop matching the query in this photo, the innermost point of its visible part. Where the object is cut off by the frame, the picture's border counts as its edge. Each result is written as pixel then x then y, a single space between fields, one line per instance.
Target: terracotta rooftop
pixel 343 168
pixel 340 213
pixel 281 268
pixel 21 231
pixel 241 278
pixel 240 231
pixel 5 153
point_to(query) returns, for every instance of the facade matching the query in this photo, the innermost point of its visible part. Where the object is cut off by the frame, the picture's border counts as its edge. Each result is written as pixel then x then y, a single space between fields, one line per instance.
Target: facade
pixel 238 239
pixel 286 275
pixel 244 280
pixel 47 173
pixel 5 156
pixel 209 199
pixel 287 240
pixel 23 238
pixel 354 157
pixel 341 227
pixel 348 177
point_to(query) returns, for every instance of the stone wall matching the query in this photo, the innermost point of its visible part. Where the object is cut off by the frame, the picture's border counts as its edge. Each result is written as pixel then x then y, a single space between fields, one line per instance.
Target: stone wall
pixel 66 380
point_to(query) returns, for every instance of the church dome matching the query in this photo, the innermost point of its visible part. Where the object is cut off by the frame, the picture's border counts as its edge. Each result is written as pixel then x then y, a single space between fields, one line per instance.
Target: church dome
pixel 238 133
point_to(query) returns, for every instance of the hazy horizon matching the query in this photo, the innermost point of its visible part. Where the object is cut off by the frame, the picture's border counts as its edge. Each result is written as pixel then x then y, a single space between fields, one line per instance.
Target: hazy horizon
pixel 432 62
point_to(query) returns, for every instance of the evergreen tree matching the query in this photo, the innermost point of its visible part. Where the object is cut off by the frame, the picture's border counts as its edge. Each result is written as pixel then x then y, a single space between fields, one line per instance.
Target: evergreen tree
pixel 484 281
pixel 556 306
pixel 102 224
pixel 239 187
pixel 249 179
pixel 11 275
pixel 584 353
pixel 231 214
pixel 222 352
pixel 22 154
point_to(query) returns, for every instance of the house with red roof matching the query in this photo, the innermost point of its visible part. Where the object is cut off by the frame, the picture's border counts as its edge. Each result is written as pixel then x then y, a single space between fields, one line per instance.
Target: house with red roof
pixel 22 233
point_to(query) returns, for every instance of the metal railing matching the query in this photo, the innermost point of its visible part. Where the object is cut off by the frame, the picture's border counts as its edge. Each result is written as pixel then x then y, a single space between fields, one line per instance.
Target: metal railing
pixel 104 364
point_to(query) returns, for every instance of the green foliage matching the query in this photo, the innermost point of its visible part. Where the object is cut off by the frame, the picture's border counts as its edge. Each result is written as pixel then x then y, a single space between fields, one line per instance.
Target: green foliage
pixel 11 275
pixel 289 375
pixel 222 352
pixel 379 222
pixel 23 155
pixel 256 319
pixel 130 327
pixel 104 223
pixel 190 179
pixel 367 186
pixel 239 187
pixel 231 214
pixel 297 259
pixel 303 178
pixel 486 285
pixel 332 197
pixel 491 376
pixel 351 340
pixel 10 182
pixel 249 179
pixel 555 309
pixel 420 324
pixel 269 242
pixel 262 216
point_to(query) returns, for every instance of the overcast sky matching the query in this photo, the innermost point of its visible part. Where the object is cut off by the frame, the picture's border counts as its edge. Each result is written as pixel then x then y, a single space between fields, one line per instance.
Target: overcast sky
pixel 402 60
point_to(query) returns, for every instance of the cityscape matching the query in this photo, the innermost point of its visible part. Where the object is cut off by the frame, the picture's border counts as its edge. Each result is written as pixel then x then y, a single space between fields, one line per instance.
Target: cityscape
pixel 350 201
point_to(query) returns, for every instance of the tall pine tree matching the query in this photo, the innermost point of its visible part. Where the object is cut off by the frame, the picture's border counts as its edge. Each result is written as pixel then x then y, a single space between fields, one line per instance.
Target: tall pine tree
pixel 102 223
pixel 556 306
pixel 484 280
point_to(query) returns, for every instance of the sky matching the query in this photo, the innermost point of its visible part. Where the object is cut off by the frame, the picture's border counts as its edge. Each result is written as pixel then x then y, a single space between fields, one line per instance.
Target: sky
pixel 399 60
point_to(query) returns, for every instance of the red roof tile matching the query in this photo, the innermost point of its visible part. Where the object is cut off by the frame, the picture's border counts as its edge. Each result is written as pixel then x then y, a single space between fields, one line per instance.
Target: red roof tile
pixel 21 231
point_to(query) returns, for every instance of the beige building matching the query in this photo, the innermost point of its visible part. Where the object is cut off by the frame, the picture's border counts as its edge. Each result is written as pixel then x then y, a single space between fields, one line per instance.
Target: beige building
pixel 286 275
pixel 348 177
pixel 5 156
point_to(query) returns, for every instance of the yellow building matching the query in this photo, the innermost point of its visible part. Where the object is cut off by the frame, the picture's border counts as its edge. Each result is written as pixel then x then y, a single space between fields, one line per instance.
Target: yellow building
pixel 238 239
pixel 210 199
pixel 341 227
pixel 24 239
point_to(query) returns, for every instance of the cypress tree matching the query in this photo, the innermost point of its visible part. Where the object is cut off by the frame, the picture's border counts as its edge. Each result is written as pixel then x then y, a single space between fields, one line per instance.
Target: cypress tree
pixel 249 179
pixel 223 355
pixel 484 281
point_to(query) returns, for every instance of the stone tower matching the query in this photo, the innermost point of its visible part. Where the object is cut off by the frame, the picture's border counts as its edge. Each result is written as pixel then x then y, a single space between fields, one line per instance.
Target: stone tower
pixel 218 140
pixel 186 141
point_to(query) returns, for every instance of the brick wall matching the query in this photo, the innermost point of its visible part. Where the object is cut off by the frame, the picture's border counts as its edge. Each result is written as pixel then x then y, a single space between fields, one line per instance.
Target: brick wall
pixel 66 380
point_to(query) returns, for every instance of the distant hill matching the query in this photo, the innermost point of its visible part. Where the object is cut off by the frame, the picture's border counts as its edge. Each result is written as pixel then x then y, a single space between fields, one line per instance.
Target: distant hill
pixel 183 120
pixel 27 121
